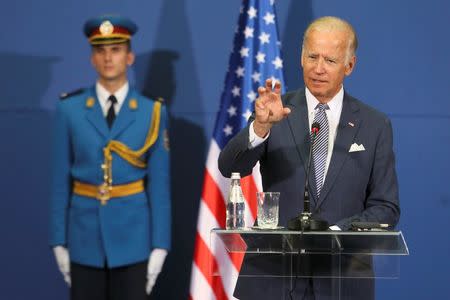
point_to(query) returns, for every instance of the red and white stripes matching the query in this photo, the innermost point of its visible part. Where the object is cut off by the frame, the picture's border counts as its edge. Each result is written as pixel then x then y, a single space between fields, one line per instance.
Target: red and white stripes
pixel 214 270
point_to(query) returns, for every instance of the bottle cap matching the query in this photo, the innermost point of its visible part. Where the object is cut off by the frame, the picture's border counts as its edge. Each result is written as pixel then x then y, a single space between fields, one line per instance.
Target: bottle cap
pixel 235 175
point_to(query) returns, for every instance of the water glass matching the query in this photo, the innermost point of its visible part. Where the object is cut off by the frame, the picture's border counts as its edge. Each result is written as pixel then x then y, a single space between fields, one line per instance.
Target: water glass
pixel 268 207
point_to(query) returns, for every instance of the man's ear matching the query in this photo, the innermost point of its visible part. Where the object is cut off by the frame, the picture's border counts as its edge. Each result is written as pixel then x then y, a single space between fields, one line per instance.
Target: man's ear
pixel 350 65
pixel 130 58
pixel 301 58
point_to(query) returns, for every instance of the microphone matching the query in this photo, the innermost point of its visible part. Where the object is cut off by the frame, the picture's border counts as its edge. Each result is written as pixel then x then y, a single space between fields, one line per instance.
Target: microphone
pixel 304 221
pixel 315 127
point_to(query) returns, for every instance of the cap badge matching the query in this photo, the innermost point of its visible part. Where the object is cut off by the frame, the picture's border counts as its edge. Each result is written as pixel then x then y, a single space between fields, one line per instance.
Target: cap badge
pixel 106 28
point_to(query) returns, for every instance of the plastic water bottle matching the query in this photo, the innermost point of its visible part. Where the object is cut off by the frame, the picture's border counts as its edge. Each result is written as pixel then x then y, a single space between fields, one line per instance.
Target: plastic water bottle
pixel 235 204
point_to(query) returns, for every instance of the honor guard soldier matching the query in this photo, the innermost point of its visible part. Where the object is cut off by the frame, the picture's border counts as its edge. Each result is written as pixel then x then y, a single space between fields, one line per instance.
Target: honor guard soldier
pixel 110 204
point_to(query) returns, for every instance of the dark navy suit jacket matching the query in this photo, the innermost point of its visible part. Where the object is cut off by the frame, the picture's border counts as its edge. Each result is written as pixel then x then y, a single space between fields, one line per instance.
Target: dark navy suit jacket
pixel 359 185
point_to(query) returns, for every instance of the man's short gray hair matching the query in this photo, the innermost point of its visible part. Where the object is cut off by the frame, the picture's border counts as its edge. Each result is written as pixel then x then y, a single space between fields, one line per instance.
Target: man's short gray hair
pixel 334 23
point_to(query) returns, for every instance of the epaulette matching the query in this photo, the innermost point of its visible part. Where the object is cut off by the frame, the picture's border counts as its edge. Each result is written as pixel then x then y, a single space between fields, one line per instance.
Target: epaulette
pixel 64 96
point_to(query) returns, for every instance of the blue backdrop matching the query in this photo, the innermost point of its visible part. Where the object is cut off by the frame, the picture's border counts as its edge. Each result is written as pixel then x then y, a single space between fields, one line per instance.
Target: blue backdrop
pixel 182 54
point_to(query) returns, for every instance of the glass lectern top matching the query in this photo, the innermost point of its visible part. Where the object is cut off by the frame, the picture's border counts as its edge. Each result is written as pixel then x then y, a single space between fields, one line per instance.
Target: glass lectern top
pixel 320 242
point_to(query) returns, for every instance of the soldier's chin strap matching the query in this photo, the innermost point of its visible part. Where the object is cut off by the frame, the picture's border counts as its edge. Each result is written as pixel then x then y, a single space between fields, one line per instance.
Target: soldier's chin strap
pixel 134 157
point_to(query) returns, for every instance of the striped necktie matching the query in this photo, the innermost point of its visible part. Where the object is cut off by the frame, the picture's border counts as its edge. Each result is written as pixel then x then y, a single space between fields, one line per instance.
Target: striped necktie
pixel 320 147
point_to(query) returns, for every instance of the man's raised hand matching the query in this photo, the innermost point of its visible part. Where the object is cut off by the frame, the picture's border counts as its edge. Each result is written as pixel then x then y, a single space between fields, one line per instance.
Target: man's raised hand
pixel 268 108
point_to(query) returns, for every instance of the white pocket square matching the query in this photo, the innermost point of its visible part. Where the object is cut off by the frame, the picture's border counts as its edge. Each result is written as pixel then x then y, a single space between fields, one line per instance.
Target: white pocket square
pixel 355 148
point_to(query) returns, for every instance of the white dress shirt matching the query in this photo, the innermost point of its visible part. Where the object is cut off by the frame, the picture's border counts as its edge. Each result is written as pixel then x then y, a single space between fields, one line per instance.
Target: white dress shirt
pixel 103 95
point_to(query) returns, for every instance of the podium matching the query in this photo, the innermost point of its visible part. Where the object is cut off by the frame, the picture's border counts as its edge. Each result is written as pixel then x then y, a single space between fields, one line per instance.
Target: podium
pixel 292 256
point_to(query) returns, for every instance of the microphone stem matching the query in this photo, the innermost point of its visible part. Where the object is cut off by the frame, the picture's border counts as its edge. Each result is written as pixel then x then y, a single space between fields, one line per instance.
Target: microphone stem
pixel 306 203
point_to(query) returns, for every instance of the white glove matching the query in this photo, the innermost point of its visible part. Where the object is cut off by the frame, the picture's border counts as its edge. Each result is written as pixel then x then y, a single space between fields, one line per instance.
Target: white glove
pixel 155 263
pixel 63 261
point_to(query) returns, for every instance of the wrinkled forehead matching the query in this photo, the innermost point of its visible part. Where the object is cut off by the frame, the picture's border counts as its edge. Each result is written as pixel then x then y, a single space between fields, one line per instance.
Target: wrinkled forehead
pixel 326 40
pixel 329 35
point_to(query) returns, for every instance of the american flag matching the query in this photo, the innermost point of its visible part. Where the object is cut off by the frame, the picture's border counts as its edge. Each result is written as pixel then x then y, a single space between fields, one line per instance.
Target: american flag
pixel 255 57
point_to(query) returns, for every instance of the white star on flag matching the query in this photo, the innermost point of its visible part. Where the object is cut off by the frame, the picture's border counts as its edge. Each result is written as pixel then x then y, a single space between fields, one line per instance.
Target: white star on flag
pixel 240 71
pixel 236 91
pixel 269 18
pixel 248 32
pixel 247 114
pixel 251 96
pixel 260 58
pixel 264 38
pixel 256 76
pixel 252 12
pixel 228 130
pixel 244 51
pixel 278 62
pixel 232 110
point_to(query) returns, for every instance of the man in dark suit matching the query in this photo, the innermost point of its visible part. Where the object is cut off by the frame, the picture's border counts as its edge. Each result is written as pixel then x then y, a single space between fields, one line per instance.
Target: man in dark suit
pixel 353 174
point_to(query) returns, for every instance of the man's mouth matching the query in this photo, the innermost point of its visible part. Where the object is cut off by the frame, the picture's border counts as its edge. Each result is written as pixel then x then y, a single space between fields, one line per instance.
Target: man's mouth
pixel 318 81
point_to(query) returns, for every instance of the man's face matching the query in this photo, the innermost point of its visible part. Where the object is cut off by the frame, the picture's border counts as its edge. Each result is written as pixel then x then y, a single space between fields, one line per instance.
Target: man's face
pixel 111 61
pixel 324 63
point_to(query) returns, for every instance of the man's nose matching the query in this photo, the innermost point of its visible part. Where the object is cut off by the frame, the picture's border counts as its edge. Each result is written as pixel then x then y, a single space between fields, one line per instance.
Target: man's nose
pixel 108 55
pixel 320 66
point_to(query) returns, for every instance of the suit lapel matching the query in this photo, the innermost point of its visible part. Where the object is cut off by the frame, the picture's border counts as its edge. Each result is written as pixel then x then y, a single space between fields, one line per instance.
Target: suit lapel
pixel 95 115
pixel 298 121
pixel 348 127
pixel 126 115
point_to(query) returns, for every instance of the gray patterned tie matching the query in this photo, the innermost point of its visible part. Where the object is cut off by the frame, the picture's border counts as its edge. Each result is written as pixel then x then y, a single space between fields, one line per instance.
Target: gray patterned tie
pixel 320 147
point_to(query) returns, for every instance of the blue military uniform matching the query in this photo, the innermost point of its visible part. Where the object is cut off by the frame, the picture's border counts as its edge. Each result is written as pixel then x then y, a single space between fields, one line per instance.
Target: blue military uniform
pixel 125 229
pixel 110 203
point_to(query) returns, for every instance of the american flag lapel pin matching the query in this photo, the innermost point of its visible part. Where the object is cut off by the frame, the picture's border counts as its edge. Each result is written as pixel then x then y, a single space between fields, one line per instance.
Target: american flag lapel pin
pixel 351 124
